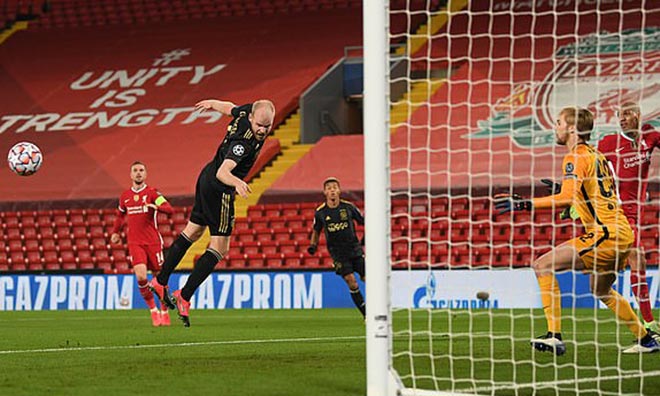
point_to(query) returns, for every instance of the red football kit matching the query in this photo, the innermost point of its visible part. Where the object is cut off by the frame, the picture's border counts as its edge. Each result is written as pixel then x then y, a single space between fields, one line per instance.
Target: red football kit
pixel 145 245
pixel 631 160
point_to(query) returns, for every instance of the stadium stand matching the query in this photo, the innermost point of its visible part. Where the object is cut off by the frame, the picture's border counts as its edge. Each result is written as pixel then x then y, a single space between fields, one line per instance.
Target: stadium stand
pixel 276 236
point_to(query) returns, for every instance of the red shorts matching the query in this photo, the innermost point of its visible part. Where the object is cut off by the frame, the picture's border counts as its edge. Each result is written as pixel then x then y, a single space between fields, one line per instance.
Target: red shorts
pixel 151 255
pixel 634 224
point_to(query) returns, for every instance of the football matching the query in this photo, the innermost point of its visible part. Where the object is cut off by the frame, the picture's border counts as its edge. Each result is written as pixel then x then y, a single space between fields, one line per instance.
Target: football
pixel 25 158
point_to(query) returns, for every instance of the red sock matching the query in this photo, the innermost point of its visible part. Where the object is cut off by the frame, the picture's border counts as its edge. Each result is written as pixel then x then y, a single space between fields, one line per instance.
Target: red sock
pixel 146 294
pixel 641 291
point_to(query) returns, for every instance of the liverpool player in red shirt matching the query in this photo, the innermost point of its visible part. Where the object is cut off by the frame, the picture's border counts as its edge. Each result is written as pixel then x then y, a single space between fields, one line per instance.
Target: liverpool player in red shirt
pixel 139 205
pixel 629 153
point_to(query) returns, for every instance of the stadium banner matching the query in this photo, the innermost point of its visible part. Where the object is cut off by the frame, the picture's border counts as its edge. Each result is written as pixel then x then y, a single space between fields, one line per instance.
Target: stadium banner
pixel 222 290
pixel 306 290
pixel 506 289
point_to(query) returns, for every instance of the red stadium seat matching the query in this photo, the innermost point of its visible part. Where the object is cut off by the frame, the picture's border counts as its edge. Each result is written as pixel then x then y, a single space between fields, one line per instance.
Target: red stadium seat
pixel 264 235
pixel 268 247
pixel 250 247
pixel 94 219
pixel 48 244
pixel 281 234
pixel 64 244
pixel 32 245
pixel 33 257
pixel 11 220
pixel 13 234
pixel 77 219
pixel 62 232
pixel 28 222
pixel 274 260
pixel 44 220
pixel 45 232
pixel 245 235
pixel 79 232
pixel 67 256
pixel 50 257
pixel 85 256
pixel 288 246
pixel 292 259
pixel 255 260
pixel 15 245
pixel 96 232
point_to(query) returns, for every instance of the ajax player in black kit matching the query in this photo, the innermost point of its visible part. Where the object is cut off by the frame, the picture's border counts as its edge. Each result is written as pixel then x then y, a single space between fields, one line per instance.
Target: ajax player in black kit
pixel 336 217
pixel 217 184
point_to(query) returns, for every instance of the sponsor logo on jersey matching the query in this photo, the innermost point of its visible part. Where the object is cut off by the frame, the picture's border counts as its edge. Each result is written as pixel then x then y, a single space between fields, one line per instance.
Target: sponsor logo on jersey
pixel 624 66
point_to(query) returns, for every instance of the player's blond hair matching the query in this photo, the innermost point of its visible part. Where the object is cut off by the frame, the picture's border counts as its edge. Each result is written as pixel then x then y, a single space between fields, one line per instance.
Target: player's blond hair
pixel 583 120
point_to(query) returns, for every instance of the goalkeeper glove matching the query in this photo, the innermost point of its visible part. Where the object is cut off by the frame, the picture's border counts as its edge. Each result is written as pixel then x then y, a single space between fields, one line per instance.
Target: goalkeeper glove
pixel 312 249
pixel 511 202
pixel 553 187
pixel 569 213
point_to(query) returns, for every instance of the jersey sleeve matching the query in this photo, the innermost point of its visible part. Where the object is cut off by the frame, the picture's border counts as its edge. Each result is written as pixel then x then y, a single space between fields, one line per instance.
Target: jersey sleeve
pixel 604 147
pixel 238 150
pixel 656 142
pixel 237 110
pixel 119 216
pixel 574 168
pixel 357 215
pixel 318 221
pixel 159 200
pixel 121 207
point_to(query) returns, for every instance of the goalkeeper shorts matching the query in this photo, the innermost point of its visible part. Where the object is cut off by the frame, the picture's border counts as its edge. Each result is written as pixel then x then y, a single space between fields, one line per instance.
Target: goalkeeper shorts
pixel 602 251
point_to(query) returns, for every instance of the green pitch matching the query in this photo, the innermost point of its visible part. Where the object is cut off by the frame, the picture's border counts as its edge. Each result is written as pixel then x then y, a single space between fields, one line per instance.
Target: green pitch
pixel 311 352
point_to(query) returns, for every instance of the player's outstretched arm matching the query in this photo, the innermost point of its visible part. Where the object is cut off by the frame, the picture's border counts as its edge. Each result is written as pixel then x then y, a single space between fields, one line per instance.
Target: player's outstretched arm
pixel 225 176
pixel 562 200
pixel 223 107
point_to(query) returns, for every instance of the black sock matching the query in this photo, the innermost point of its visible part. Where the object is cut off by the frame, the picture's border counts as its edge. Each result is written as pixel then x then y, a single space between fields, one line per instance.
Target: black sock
pixel 203 269
pixel 174 256
pixel 358 300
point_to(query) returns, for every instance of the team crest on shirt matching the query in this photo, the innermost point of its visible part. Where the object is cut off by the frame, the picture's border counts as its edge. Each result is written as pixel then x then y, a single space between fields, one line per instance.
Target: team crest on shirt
pixel 136 197
pixel 623 67
pixel 343 215
pixel 238 150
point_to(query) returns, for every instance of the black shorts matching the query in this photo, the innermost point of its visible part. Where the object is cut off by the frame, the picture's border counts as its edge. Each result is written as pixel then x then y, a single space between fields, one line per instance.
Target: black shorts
pixel 214 207
pixel 345 266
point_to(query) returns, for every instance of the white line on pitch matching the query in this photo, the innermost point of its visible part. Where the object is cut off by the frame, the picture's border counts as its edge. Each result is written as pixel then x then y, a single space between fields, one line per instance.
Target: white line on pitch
pixel 181 344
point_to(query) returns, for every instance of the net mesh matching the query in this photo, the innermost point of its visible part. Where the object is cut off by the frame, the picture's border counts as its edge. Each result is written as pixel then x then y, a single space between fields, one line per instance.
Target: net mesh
pixel 483 83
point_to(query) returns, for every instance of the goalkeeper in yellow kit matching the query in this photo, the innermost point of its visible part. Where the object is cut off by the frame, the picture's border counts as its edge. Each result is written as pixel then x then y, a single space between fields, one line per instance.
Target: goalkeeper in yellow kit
pixel 588 185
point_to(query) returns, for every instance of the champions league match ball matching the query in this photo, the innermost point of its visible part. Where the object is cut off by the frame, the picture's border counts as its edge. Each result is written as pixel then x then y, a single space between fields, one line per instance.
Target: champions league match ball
pixel 25 158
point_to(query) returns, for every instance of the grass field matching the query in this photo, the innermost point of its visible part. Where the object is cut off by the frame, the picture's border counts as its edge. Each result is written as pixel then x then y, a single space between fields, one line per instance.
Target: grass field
pixel 306 352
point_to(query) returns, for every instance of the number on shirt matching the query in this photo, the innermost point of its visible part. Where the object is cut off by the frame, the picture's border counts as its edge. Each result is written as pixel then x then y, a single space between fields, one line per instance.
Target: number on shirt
pixel 605 179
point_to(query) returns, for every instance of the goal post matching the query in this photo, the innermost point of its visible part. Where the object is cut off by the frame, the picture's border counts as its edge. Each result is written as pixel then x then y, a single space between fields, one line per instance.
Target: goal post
pixel 377 194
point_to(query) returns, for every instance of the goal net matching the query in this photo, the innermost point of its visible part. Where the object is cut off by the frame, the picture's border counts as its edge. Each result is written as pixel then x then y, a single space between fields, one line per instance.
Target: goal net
pixel 472 116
